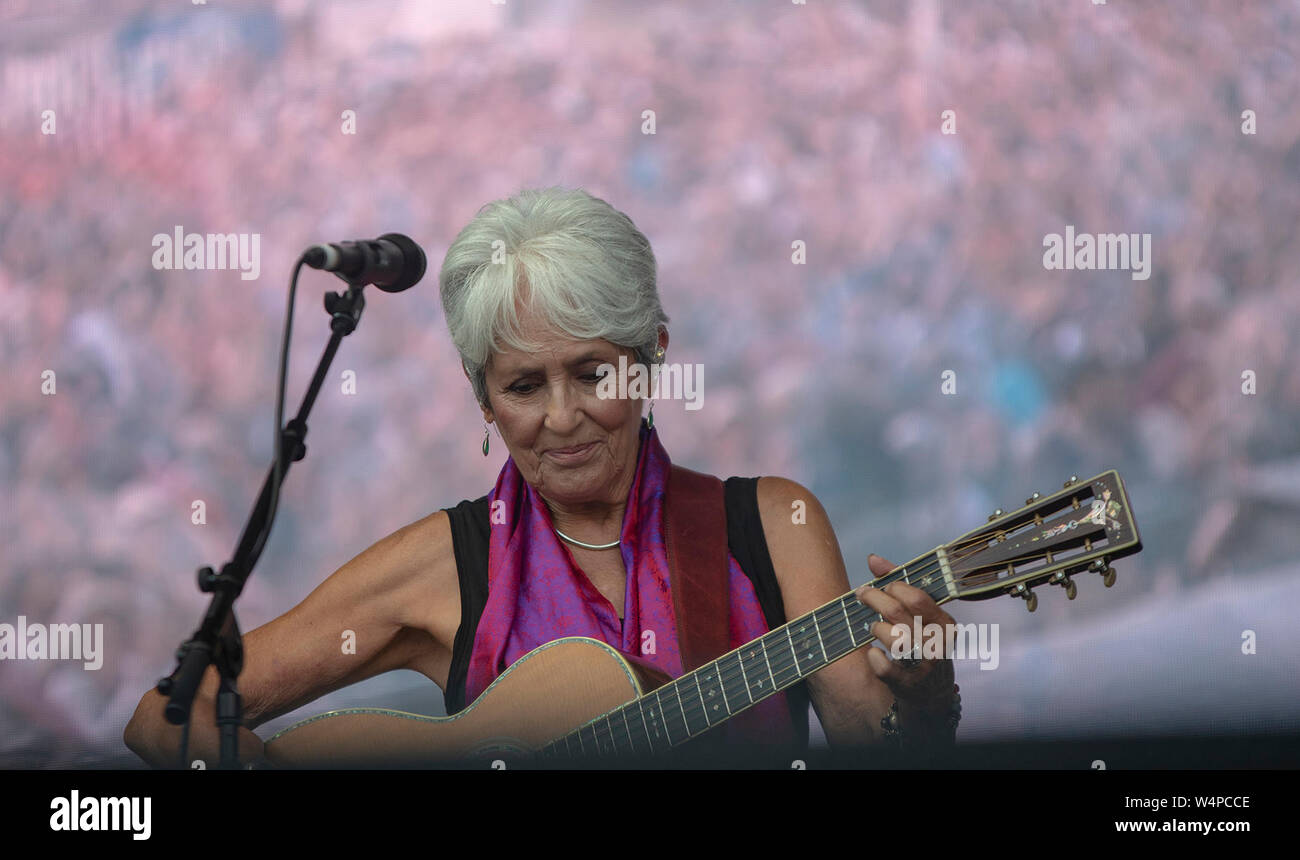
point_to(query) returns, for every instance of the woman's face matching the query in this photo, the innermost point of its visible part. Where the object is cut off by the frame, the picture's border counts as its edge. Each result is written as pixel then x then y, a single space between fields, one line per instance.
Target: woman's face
pixel 570 444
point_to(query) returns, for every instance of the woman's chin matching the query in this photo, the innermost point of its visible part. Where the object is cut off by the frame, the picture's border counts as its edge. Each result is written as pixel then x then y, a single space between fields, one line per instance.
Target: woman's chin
pixel 574 484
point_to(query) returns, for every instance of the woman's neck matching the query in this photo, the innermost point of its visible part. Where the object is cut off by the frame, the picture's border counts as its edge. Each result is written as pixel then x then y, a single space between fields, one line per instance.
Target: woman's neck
pixel 589 522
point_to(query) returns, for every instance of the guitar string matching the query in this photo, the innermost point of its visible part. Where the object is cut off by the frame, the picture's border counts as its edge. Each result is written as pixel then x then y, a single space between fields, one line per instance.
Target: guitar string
pixel 840 642
pixel 695 707
pixel 726 675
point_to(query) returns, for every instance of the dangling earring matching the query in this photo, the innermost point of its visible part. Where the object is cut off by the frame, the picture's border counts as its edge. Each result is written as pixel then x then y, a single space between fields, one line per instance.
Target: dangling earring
pixel 658 359
pixel 485 438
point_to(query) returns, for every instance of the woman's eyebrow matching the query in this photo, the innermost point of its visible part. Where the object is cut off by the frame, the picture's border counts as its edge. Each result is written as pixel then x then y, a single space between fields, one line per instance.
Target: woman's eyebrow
pixel 525 369
pixel 586 357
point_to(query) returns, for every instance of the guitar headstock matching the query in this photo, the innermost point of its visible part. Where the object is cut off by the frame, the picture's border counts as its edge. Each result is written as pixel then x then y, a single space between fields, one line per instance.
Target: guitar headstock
pixel 1081 528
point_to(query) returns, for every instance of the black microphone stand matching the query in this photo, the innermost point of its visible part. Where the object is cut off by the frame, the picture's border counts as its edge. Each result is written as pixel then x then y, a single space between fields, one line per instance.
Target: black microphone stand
pixel 218 640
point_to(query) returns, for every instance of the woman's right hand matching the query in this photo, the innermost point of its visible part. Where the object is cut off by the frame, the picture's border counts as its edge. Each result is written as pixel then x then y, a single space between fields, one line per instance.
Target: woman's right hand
pixel 158 742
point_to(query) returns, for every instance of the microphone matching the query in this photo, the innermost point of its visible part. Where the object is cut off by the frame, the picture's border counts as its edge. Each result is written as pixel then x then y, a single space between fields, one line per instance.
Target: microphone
pixel 392 262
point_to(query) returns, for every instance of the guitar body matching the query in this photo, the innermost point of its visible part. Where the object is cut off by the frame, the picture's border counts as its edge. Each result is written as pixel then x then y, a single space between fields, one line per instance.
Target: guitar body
pixel 545 694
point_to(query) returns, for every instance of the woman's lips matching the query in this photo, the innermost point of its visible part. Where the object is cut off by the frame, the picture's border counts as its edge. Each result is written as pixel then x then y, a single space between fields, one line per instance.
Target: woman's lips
pixel 571 455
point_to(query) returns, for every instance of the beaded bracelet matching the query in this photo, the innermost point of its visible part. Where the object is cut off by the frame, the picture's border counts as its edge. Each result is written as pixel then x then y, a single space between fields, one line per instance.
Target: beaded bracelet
pixel 893 734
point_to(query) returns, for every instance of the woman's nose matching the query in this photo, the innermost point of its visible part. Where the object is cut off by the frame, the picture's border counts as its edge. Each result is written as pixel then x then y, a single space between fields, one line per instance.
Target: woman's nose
pixel 561 410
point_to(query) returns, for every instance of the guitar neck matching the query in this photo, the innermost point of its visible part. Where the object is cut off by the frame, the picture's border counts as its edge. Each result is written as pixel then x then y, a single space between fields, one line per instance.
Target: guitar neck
pixel 705 698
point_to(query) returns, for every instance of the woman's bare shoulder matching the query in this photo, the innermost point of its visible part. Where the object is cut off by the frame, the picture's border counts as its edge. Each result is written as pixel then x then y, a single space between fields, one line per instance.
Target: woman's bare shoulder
pixel 783 501
pixel 805 552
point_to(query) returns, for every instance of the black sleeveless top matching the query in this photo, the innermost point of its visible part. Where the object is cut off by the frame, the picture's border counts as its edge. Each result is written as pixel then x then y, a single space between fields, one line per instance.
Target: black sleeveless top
pixel 469 534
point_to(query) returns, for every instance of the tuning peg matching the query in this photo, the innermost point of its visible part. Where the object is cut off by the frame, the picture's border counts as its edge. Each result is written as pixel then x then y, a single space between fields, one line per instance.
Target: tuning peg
pixel 1035 497
pixel 1102 566
pixel 1073 479
pixel 1031 599
pixel 993 516
pixel 1061 579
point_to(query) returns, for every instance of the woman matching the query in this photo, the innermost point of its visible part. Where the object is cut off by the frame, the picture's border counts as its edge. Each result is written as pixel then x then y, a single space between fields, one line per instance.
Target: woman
pixel 543 293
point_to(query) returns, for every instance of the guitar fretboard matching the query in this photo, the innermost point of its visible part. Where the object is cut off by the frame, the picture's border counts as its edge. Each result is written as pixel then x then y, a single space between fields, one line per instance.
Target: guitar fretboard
pixel 700 700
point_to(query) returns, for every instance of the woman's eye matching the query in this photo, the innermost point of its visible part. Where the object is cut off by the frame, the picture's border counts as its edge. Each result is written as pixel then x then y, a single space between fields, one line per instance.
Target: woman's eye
pixel 523 388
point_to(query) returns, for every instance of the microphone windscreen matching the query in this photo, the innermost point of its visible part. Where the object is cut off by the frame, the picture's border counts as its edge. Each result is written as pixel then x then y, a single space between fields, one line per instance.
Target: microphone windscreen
pixel 413 263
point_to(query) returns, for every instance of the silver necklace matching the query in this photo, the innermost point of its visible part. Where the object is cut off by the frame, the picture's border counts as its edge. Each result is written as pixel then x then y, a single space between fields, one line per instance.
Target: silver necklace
pixel 587 545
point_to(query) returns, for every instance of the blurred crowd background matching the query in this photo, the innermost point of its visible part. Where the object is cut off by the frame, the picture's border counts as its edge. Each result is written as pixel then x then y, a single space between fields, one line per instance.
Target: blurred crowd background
pixel 774 123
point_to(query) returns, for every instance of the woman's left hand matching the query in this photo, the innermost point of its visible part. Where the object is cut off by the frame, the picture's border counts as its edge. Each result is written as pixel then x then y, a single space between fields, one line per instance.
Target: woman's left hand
pixel 923 686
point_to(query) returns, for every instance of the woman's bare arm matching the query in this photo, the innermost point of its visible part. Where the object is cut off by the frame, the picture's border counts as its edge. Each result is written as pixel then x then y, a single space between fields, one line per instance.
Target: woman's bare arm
pixel 399 601
pixel 852 694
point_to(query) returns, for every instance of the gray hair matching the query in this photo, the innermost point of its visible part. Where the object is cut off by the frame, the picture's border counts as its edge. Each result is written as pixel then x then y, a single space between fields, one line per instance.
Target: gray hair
pixel 584 264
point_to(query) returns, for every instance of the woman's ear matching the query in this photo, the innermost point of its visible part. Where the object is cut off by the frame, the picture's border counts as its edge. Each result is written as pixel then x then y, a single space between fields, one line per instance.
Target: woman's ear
pixel 487 412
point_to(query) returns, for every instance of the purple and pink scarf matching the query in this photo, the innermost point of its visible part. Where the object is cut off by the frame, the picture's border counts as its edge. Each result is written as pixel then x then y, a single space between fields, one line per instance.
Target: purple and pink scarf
pixel 536 593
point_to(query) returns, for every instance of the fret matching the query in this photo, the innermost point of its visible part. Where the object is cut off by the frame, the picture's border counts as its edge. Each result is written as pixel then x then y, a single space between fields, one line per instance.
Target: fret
pixel 703 704
pixel 762 643
pixel 726 700
pixel 744 676
pixel 668 713
pixel 653 721
pixel 588 744
pixel 810 662
pixel 697 721
pixel 618 731
pixel 676 714
pixel 848 623
pixel 637 715
pixel 568 744
pixel 749 659
pixel 789 674
pixel 843 637
pixel 821 642
pixel 866 618
pixel 610 742
pixel 793 652
pixel 613 736
pixel 631 738
pixel 828 634
pixel 645 724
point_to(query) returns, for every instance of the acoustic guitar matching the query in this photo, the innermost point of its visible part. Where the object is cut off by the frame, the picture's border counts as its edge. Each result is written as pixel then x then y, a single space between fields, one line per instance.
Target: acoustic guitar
pixel 579 699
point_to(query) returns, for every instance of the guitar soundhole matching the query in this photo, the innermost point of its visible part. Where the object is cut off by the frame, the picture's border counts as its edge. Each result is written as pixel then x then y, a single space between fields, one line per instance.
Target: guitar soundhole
pixel 507 750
